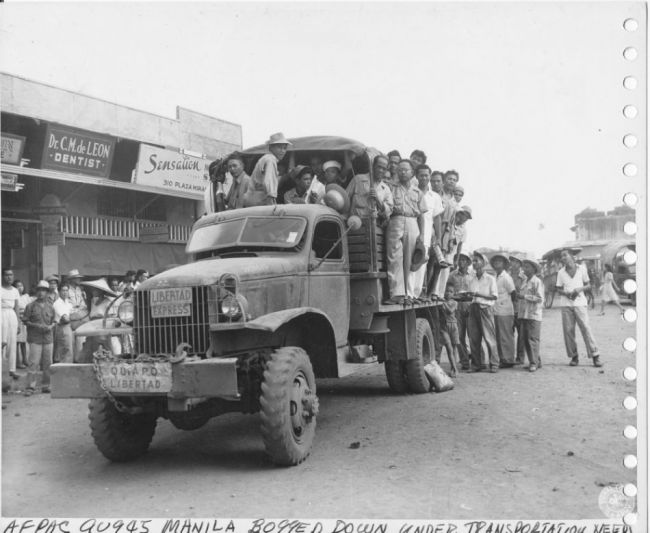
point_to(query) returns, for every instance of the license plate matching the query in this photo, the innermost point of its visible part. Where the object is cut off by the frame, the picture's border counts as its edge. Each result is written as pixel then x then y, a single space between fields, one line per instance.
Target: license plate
pixel 136 378
pixel 170 302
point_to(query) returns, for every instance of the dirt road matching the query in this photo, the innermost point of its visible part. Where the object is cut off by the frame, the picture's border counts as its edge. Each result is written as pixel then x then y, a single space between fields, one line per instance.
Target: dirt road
pixel 508 445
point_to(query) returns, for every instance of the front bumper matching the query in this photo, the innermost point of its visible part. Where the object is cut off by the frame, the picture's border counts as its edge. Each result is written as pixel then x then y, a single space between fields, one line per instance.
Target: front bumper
pixel 206 378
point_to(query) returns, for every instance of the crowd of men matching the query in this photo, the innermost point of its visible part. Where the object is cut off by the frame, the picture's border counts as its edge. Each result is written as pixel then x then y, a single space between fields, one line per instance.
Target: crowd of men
pixel 38 325
pixel 424 223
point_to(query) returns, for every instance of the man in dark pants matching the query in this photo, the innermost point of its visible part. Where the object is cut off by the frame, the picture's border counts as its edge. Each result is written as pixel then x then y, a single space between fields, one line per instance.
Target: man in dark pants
pixel 460 279
pixel 39 319
pixel 483 287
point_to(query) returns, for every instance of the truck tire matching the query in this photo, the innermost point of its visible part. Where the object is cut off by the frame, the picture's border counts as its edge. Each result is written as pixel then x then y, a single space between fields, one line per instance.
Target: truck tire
pixel 288 406
pixel 187 421
pixel 396 376
pixel 424 350
pixel 119 436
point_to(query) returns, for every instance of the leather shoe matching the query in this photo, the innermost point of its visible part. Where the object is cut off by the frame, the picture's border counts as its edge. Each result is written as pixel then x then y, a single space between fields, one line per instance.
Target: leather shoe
pixel 574 361
pixel 597 361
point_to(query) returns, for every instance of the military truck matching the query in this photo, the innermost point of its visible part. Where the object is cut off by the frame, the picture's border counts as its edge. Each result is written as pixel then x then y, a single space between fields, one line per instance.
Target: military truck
pixel 272 298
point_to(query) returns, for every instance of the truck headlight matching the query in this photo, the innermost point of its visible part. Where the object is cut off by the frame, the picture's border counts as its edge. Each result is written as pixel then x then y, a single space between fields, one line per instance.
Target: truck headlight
pixel 231 308
pixel 125 312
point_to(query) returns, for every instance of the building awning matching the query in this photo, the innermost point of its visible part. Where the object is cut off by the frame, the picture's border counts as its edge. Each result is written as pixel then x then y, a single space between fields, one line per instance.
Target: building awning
pixel 102 182
pixel 114 258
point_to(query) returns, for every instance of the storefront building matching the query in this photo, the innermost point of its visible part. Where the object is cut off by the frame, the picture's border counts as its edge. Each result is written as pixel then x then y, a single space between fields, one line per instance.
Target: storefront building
pixel 99 187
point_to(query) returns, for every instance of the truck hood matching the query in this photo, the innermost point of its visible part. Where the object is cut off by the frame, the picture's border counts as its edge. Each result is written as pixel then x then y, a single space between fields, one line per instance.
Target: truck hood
pixel 208 271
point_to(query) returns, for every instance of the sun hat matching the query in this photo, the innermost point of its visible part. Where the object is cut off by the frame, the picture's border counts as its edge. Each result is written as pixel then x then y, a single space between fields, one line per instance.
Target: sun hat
pixel 518 258
pixel 532 262
pixel 277 138
pixel 43 285
pixel 337 198
pixel 99 284
pixel 482 257
pixel 467 210
pixel 52 277
pixel 74 273
pixel 505 259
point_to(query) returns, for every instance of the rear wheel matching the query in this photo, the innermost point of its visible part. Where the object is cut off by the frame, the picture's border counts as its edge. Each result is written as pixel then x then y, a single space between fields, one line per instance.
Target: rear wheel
pixel 396 376
pixel 120 436
pixel 424 351
pixel 288 406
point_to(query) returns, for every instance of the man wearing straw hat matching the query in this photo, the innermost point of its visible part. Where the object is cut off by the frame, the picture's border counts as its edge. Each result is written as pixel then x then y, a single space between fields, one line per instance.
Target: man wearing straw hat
pixel 263 188
pixel 504 311
pixel 39 319
pixel 460 279
pixel 483 288
pixel 531 296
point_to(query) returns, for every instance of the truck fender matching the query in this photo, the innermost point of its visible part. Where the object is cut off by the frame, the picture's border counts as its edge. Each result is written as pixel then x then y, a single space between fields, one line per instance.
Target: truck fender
pixel 273 321
pixel 313 331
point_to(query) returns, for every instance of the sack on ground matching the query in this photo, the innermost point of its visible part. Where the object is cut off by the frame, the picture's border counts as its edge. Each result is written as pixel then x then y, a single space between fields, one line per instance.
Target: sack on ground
pixel 438 378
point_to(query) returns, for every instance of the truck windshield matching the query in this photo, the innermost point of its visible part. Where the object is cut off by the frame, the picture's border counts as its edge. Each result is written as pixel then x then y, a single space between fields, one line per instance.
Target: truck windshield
pixel 267 232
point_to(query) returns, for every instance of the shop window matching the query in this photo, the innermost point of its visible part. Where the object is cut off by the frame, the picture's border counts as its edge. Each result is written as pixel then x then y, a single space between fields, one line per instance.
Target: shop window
pixel 129 204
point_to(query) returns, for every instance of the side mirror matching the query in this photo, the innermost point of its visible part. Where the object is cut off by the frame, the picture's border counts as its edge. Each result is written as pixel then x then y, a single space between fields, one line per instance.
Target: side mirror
pixel 354 223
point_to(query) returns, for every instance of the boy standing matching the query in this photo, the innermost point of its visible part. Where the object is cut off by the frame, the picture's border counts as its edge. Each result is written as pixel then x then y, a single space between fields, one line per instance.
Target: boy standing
pixel 449 328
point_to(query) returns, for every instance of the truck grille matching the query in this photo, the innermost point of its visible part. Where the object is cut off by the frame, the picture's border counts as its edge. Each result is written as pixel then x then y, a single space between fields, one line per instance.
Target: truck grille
pixel 162 335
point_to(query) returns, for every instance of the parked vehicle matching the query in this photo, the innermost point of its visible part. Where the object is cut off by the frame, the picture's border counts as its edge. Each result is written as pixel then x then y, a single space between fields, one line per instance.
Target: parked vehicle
pixel 273 298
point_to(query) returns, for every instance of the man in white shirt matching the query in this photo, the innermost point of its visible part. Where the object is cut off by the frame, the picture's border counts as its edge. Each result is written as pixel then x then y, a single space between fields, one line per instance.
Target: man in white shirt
pixel 504 311
pixel 63 338
pixel 572 280
pixel 483 287
pixel 433 203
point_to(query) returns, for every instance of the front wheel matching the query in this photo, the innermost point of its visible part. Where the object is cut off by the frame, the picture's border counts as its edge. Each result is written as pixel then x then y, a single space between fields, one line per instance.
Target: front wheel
pixel 396 376
pixel 288 406
pixel 424 350
pixel 120 436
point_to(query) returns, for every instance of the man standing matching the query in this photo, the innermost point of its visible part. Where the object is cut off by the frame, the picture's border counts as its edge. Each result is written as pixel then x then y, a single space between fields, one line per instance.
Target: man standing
pixel 531 297
pixel 265 176
pixel 418 157
pixel 572 281
pixel 371 196
pixel 519 279
pixel 53 291
pixel 404 230
pixel 234 197
pixel 39 319
pixel 483 288
pixel 460 279
pixel 504 312
pixel 433 204
pixel 63 338
pixel 394 158
pixel 332 173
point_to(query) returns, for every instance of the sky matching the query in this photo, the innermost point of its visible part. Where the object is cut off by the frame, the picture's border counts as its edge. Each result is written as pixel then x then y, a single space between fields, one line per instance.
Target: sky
pixel 524 100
